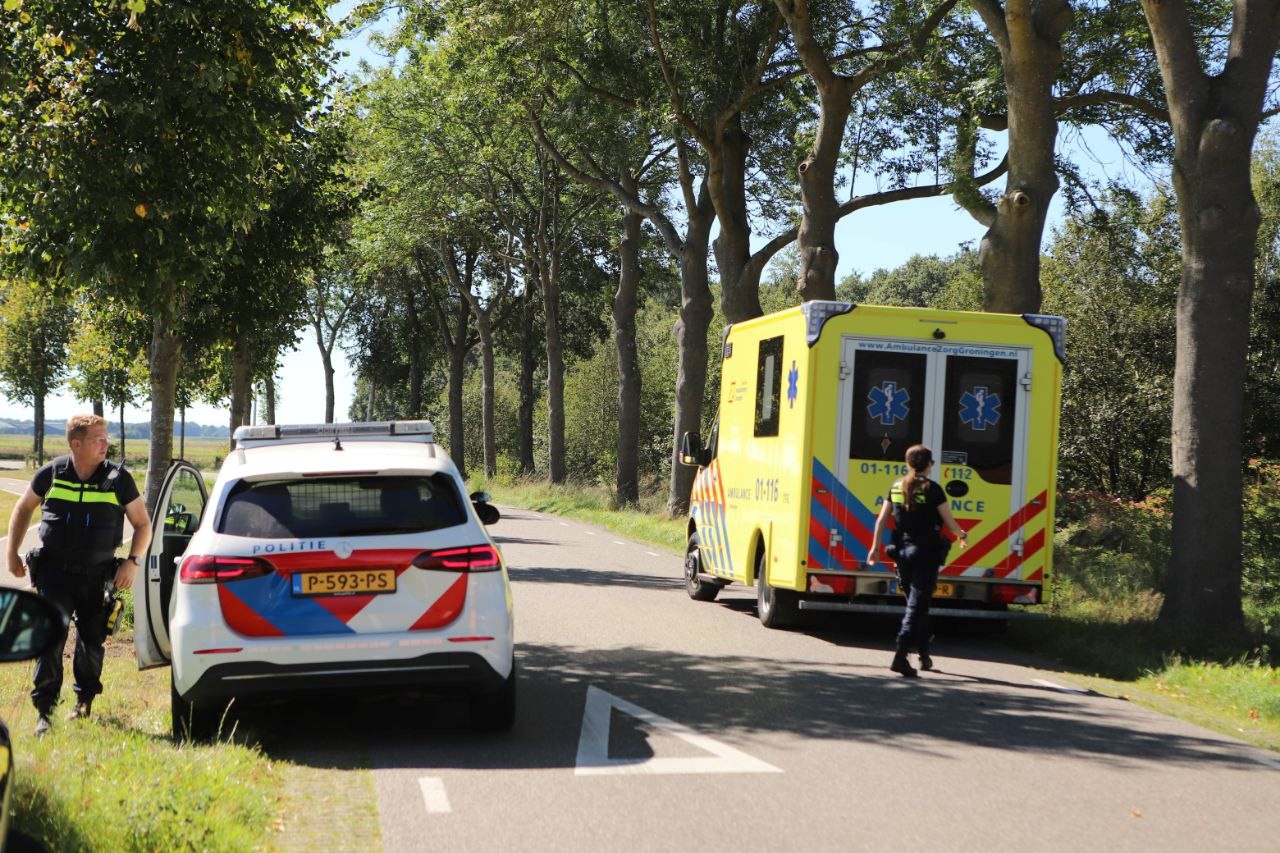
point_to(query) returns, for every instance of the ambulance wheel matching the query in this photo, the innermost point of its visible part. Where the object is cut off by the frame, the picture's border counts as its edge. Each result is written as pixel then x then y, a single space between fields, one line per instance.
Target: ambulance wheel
pixel 777 608
pixel 698 589
pixel 189 721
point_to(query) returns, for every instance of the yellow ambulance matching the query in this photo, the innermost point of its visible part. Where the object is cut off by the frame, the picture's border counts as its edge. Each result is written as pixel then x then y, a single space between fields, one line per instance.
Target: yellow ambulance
pixel 818 405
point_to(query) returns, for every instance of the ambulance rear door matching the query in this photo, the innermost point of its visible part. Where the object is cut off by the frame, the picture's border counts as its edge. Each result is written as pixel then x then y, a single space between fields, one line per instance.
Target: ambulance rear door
pixel 968 402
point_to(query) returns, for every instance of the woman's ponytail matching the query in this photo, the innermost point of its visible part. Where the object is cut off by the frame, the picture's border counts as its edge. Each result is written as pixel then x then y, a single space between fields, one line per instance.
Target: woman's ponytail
pixel 919 458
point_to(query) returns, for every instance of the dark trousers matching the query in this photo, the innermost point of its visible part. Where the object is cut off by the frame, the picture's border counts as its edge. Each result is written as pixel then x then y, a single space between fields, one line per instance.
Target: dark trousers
pixel 82 596
pixel 918 569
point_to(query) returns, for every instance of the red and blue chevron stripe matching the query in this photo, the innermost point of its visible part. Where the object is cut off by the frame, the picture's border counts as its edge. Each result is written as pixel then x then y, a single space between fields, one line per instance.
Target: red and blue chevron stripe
pixel 707 509
pixel 833 507
pixel 266 606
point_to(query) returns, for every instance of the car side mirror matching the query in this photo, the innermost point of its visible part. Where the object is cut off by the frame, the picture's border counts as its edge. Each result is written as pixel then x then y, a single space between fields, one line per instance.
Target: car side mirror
pixel 30 625
pixel 692 451
pixel 488 512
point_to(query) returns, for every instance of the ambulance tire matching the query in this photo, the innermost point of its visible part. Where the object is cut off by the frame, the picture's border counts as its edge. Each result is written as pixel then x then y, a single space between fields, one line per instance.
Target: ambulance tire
pixel 777 608
pixel 698 589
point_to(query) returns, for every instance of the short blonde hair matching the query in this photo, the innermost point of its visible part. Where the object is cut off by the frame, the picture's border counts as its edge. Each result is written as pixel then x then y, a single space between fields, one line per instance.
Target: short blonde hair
pixel 78 425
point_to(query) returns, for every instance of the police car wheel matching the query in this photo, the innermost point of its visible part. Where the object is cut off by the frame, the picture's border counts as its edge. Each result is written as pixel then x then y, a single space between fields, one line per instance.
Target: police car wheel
pixel 190 722
pixel 495 711
pixel 698 589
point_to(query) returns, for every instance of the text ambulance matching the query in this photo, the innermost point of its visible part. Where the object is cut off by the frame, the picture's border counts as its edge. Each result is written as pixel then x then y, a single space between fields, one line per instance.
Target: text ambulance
pixel 818 405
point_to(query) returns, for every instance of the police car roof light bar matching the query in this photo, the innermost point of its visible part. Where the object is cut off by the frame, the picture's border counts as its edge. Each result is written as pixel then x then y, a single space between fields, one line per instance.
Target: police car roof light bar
pixel 275 432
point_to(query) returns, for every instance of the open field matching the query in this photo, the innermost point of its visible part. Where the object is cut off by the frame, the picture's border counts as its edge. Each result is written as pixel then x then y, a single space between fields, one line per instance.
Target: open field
pixel 205 453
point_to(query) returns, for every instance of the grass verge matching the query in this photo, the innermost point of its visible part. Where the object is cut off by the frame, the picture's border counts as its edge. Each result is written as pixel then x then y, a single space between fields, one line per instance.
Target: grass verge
pixel 118 782
pixel 1111 645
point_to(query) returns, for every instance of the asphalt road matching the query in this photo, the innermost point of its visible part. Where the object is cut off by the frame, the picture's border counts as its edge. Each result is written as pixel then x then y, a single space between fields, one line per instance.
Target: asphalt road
pixel 648 721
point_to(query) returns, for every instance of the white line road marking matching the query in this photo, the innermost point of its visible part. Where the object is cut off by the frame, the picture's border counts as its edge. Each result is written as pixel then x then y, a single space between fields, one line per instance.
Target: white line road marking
pixel 1072 690
pixel 434 796
pixel 593 745
pixel 590 533
pixel 564 524
pixel 651 554
pixel 619 542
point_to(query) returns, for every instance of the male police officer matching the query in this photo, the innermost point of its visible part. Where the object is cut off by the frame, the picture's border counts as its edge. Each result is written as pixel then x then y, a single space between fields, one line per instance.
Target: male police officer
pixel 86 500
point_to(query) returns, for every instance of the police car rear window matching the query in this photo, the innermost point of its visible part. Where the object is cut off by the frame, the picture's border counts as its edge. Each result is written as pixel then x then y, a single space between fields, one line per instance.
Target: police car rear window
pixel 341 506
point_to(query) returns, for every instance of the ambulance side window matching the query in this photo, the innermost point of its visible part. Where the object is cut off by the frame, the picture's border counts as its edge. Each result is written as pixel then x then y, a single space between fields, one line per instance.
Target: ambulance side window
pixel 979 415
pixel 713 443
pixel 768 387
pixel 888 404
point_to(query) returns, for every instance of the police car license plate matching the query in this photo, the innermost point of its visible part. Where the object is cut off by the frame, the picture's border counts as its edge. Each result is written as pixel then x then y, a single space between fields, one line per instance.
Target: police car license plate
pixel 942 590
pixel 349 582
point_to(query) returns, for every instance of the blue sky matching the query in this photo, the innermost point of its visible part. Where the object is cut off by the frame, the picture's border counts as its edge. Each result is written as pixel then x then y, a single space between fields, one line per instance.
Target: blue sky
pixel 867 240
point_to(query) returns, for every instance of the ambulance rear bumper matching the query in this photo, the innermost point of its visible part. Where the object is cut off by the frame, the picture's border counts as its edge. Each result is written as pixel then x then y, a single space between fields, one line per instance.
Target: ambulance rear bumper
pixel 934 612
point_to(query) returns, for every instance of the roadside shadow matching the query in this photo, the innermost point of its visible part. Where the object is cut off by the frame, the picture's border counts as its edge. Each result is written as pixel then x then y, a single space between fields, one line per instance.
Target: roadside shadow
pixel 742 695
pixel 521 540
pixel 591 577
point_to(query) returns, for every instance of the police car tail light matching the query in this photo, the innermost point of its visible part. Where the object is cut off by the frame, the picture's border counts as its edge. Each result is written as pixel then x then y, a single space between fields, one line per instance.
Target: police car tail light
pixel 222 569
pixel 471 558
pixel 1014 594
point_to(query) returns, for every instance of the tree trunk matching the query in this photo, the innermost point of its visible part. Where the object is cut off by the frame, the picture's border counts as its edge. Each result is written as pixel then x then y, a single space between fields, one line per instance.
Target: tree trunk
pixel 484 327
pixel 415 353
pixel 727 176
pixel 37 447
pixel 326 360
pixel 624 335
pixel 122 438
pixel 457 366
pixel 241 380
pixel 99 407
pixel 166 348
pixel 1215 120
pixel 269 385
pixel 1029 37
pixel 182 433
pixel 555 371
pixel 528 365
pixel 691 333
pixel 817 238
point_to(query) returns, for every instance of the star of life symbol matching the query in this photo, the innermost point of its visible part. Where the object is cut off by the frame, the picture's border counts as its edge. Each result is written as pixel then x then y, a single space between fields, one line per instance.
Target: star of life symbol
pixel 793 385
pixel 888 403
pixel 980 408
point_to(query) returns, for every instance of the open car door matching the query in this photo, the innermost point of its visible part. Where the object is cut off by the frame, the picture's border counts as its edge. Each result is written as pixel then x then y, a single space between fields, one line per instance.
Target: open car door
pixel 174 521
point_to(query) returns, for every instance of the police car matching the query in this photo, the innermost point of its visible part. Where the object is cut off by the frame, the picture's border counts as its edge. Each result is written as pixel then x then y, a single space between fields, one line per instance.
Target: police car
pixel 329 557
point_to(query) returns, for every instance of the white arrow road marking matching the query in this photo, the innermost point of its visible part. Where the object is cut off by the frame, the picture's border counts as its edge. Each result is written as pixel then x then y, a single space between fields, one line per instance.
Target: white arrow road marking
pixel 434 795
pixel 593 745
pixel 1072 690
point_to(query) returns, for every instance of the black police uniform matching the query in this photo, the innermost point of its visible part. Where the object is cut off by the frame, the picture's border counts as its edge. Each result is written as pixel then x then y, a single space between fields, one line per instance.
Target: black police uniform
pixel 917 537
pixel 81 525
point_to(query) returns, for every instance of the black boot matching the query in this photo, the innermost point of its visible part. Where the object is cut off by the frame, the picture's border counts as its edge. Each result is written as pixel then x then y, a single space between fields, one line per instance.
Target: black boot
pixel 926 662
pixel 901 665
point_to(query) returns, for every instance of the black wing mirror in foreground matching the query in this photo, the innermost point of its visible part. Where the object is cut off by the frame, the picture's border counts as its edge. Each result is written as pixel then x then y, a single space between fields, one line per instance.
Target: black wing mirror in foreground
pixel 691 450
pixel 488 512
pixel 30 625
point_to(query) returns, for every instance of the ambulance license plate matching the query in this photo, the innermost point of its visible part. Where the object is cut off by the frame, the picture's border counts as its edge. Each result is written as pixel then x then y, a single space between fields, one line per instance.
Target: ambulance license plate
pixel 942 590
pixel 348 582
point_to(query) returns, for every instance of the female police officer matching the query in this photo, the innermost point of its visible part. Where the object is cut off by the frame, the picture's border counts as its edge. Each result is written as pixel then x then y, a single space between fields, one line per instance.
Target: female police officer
pixel 919 509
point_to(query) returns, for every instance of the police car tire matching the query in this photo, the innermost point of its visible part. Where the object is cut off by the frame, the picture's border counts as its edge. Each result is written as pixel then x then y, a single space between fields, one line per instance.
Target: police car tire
pixel 495 711
pixel 777 608
pixel 698 589
pixel 190 722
